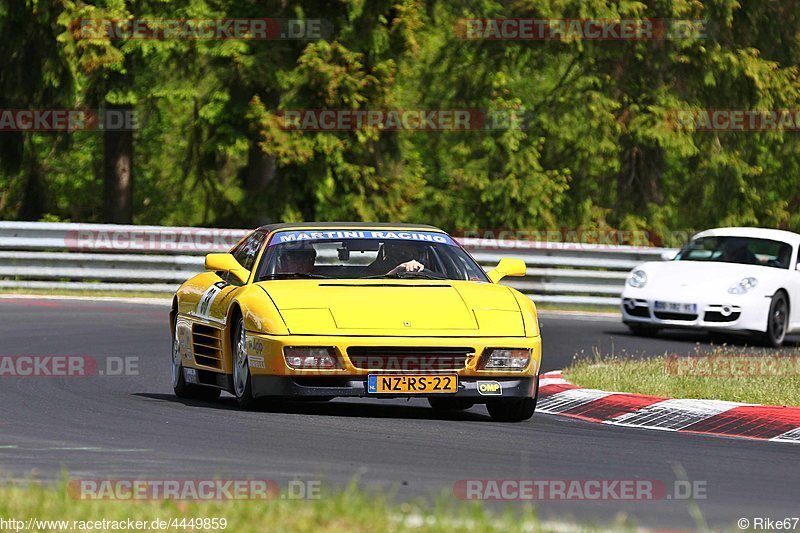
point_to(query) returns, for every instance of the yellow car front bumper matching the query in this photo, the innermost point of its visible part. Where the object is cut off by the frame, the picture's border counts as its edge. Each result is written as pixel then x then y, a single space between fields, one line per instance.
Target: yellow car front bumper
pixel 271 376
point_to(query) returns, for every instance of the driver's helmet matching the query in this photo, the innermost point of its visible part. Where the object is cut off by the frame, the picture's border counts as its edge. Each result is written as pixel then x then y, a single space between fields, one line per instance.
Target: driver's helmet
pixel 402 251
pixel 735 250
pixel 296 261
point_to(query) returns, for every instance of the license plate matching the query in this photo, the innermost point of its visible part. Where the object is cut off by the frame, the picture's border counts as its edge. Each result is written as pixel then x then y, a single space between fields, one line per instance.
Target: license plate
pixel 411 384
pixel 689 309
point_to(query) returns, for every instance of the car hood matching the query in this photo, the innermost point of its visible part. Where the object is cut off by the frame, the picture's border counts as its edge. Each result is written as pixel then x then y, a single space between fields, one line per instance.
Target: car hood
pixel 396 307
pixel 690 278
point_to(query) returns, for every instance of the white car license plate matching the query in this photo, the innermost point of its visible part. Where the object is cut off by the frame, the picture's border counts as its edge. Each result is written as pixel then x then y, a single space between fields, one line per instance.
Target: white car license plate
pixel 672 307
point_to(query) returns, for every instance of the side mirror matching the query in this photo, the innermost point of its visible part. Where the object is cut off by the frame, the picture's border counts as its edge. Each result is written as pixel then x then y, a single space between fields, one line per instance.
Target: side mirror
pixel 227 263
pixel 668 255
pixel 507 267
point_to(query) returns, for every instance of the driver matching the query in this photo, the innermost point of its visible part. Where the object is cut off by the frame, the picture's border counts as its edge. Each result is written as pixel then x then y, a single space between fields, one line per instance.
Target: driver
pixel 735 252
pixel 296 262
pixel 399 257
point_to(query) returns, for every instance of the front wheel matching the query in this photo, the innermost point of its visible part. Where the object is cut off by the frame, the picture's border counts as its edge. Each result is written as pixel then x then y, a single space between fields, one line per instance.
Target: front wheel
pixel 242 380
pixel 777 321
pixel 513 409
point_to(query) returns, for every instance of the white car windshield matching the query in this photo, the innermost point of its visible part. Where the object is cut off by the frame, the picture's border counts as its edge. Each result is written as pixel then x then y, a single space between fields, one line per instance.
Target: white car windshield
pixel 742 250
pixel 365 254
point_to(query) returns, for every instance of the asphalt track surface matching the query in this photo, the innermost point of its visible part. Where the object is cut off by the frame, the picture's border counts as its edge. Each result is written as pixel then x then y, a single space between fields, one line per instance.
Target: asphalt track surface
pixel 133 427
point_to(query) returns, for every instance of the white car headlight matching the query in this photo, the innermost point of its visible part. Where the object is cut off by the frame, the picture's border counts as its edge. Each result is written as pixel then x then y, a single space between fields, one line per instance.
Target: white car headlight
pixel 743 286
pixel 638 279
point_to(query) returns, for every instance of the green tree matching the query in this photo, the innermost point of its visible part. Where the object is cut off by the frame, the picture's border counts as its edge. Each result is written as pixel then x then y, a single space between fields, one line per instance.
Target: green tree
pixel 34 74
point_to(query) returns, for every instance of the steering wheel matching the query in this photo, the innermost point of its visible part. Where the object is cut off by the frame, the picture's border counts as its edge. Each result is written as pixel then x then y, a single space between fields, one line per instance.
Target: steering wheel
pixel 424 271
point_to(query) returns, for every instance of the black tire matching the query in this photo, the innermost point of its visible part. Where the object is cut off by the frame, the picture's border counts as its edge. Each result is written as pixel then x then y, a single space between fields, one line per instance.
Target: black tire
pixel 513 409
pixel 643 331
pixel 450 404
pixel 241 378
pixel 777 321
pixel 179 385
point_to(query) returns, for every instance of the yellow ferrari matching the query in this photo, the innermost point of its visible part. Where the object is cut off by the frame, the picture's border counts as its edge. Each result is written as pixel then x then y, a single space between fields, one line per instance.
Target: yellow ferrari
pixel 325 310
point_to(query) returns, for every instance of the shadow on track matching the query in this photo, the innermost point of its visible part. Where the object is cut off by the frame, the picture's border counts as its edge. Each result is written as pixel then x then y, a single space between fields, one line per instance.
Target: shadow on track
pixel 335 408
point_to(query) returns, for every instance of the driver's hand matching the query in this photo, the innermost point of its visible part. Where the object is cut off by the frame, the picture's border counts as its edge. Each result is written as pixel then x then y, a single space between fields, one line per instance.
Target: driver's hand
pixel 408 266
pixel 412 266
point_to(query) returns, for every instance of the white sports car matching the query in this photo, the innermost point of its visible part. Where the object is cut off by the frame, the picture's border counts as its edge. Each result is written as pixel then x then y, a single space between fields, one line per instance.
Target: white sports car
pixel 743 280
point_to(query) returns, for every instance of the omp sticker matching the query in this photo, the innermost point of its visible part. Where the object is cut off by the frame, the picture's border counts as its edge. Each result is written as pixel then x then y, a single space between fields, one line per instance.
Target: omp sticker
pixel 256 361
pixel 490 388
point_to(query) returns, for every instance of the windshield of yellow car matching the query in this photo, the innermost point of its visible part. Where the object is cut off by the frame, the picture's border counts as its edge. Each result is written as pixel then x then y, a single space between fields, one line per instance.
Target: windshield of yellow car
pixel 365 254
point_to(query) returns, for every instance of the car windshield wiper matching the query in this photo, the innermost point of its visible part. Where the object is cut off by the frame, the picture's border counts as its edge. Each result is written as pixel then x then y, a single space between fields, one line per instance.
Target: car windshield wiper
pixel 423 275
pixel 408 275
pixel 293 275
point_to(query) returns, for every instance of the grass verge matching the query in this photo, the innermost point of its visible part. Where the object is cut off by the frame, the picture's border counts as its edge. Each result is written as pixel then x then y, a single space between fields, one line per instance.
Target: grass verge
pixel 724 374
pixel 346 510
pixel 546 306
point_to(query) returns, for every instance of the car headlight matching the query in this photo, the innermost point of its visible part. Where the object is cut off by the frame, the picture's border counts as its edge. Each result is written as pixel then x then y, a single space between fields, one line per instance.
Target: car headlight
pixel 507 359
pixel 310 357
pixel 743 286
pixel 638 279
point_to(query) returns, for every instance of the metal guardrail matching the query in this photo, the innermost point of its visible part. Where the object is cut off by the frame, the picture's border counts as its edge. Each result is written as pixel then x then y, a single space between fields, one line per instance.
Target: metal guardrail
pixel 57 256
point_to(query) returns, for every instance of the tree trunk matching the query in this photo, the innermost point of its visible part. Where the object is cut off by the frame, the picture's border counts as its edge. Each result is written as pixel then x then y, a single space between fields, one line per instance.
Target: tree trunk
pixel 118 172
pixel 260 169
pixel 32 207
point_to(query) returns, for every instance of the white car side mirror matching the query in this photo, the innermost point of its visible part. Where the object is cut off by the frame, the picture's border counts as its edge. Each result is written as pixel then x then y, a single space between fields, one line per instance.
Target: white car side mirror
pixel 668 255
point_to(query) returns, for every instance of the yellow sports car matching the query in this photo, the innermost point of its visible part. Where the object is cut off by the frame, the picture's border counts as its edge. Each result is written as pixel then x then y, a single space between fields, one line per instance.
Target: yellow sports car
pixel 320 310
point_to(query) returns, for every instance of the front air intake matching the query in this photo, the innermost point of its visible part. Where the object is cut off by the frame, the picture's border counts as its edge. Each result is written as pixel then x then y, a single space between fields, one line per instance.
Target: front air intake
pixel 393 358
